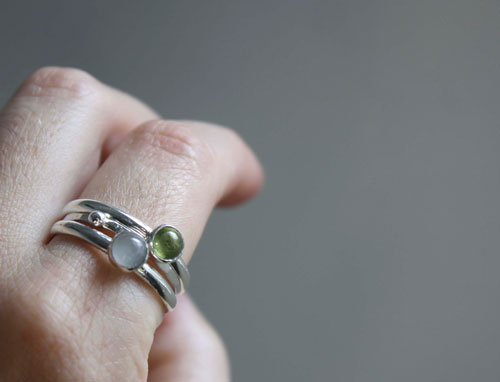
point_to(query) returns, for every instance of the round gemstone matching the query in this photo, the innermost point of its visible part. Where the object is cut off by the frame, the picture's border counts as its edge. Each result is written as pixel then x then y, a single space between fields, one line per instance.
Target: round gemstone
pixel 128 250
pixel 167 243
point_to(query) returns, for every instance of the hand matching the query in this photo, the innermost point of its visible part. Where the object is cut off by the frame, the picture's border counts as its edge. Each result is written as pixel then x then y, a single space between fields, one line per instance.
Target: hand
pixel 66 314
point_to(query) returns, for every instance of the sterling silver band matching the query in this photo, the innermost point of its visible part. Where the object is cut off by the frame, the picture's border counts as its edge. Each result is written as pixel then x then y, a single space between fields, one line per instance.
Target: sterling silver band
pixel 83 216
pixel 117 220
pixel 176 272
pixel 102 241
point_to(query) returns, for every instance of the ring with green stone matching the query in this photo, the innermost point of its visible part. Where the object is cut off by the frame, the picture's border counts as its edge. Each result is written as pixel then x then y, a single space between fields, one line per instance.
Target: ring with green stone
pixel 132 245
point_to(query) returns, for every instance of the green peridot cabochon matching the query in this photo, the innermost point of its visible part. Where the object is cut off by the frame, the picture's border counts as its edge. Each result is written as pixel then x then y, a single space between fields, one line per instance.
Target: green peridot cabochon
pixel 167 243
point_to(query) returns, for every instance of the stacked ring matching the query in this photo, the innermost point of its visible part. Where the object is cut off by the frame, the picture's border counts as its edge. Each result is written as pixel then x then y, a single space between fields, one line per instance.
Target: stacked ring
pixel 131 245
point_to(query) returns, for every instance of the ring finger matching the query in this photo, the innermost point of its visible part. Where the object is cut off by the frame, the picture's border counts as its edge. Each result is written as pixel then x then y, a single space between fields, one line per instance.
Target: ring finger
pixel 163 172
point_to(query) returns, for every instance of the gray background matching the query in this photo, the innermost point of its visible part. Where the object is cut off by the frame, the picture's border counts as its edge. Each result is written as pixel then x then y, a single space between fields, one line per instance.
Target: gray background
pixel 373 252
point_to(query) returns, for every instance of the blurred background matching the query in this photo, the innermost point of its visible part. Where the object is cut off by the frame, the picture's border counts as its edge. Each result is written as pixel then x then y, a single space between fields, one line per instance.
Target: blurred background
pixel 372 254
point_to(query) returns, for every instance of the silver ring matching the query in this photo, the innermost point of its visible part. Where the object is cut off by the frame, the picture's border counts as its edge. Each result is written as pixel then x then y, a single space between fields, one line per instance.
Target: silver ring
pixel 133 244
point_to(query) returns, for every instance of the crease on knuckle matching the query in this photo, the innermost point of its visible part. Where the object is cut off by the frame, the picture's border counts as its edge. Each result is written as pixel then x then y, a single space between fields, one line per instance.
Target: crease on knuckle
pixel 177 145
pixel 54 81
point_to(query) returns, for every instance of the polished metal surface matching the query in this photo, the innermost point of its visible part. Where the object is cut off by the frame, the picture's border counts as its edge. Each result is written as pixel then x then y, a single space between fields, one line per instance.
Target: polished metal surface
pixel 84 216
pixel 104 215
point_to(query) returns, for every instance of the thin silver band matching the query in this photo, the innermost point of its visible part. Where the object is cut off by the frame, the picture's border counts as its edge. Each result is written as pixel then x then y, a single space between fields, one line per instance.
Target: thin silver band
pixel 176 272
pixel 84 216
pixel 124 220
pixel 102 241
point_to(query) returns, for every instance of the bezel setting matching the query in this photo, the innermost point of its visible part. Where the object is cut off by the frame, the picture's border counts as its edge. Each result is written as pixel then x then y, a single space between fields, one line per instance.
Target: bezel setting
pixel 154 252
pixel 141 258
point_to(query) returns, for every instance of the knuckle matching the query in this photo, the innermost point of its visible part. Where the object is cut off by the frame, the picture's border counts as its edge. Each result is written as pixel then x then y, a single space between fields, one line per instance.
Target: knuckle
pixel 54 81
pixel 175 143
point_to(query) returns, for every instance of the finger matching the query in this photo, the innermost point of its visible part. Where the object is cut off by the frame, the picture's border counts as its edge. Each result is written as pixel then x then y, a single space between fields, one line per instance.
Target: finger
pixel 174 172
pixel 52 133
pixel 162 173
pixel 187 348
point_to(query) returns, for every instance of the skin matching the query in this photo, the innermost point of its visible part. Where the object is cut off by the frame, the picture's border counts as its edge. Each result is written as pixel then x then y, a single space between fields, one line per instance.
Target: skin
pixel 66 313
